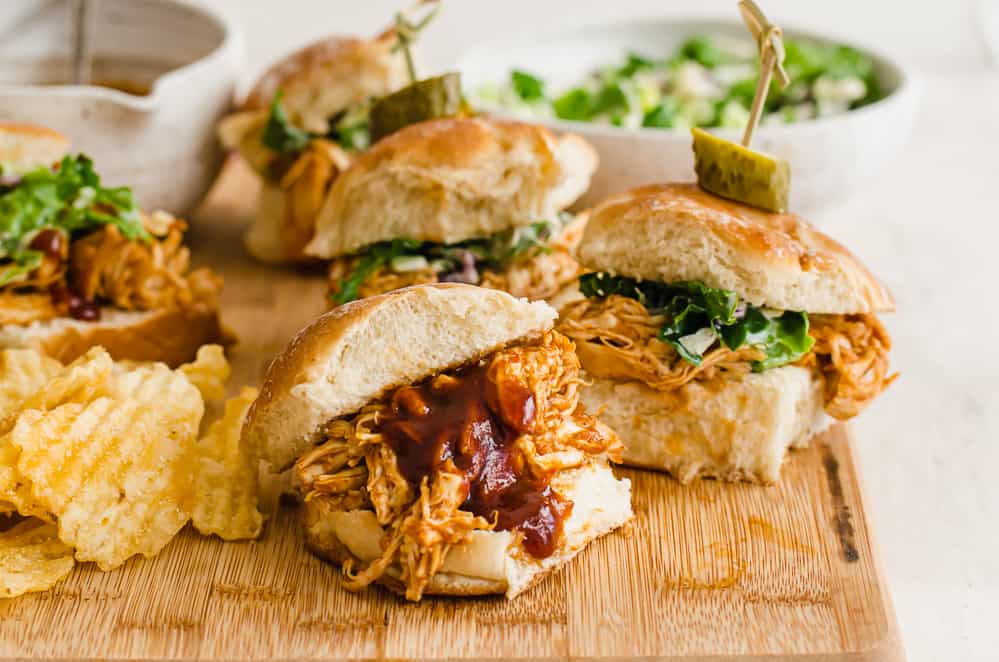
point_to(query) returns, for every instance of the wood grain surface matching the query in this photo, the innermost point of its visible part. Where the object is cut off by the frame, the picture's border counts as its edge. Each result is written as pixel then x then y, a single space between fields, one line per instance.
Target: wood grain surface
pixel 709 571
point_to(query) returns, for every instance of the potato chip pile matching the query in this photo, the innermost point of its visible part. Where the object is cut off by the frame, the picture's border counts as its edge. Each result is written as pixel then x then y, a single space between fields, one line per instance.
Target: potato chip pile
pixel 101 461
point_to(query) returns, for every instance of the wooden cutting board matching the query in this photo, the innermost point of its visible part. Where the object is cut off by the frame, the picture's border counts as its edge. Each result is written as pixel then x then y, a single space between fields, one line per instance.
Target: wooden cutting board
pixel 709 571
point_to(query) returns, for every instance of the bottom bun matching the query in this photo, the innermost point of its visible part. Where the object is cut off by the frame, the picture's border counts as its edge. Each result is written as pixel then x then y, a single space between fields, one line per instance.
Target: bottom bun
pixel 268 238
pixel 490 562
pixel 170 336
pixel 740 431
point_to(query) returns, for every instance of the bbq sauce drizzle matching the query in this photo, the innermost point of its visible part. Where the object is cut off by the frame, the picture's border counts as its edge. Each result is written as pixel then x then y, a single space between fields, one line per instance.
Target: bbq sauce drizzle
pixel 52 244
pixel 465 422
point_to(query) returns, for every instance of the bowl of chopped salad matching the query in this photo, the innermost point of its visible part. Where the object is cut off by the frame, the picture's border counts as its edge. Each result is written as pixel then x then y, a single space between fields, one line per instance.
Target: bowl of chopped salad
pixel 635 89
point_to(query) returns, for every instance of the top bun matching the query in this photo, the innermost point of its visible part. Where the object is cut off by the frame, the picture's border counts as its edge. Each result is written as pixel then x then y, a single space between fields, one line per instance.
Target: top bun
pixel 327 76
pixel 453 179
pixel 678 232
pixel 26 147
pixel 359 351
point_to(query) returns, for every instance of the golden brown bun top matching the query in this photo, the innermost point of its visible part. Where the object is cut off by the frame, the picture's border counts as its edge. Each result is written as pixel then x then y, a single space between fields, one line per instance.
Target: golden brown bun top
pixel 457 142
pixel 357 352
pixel 675 232
pixel 449 180
pixel 25 147
pixel 326 76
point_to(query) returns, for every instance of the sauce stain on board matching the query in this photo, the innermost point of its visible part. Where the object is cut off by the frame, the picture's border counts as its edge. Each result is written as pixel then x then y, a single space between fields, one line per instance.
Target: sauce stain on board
pixel 734 570
pixel 262 593
pixel 842 517
pixel 343 623
pixel 760 528
pixel 731 578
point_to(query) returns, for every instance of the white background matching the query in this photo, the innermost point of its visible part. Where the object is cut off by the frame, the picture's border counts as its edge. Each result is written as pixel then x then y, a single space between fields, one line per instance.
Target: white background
pixel 928 227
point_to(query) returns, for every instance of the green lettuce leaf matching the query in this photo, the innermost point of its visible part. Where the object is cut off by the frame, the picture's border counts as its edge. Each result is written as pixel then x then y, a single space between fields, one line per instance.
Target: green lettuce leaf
pixel 527 86
pixel 375 257
pixel 689 306
pixel 24 262
pixel 70 199
pixel 511 245
pixel 279 133
pixel 348 128
pixel 610 100
pixel 496 251
pixel 704 51
pixel 634 64
pixel 576 104
pixel 663 115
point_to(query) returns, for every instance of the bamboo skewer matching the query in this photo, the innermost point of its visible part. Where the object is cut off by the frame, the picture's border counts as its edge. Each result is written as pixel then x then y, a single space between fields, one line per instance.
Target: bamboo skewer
pixel 735 171
pixel 408 30
pixel 769 42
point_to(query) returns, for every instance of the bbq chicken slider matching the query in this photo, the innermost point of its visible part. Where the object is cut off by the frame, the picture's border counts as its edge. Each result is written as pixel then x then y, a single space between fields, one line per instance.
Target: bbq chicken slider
pixel 299 127
pixel 715 335
pixel 438 443
pixel 470 200
pixel 81 265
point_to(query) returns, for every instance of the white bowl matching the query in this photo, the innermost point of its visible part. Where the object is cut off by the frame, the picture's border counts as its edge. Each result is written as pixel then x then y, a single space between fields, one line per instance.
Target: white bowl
pixel 162 144
pixel 830 156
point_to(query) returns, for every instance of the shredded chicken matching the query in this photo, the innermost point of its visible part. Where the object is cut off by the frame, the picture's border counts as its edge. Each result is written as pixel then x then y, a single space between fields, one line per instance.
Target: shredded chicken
pixel 618 338
pixel 538 277
pixel 104 266
pixel 21 309
pixel 420 539
pixel 550 371
pixel 136 275
pixel 51 271
pixel 385 280
pixel 851 353
pixel 306 184
pixel 356 466
pixel 25 301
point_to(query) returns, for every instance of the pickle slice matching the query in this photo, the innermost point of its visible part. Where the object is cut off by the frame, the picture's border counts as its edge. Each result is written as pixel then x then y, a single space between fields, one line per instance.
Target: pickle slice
pixel 423 100
pixel 738 173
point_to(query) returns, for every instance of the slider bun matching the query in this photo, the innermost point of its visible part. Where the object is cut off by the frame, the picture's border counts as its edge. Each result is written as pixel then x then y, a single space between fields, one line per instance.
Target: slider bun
pixel 281 225
pixel 738 431
pixel 452 179
pixel 677 232
pixel 170 336
pixel 26 147
pixel 357 352
pixel 490 561
pixel 266 238
pixel 327 76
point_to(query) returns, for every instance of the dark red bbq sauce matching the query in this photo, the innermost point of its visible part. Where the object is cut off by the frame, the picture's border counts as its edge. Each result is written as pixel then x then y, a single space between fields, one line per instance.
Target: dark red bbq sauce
pixel 472 421
pixel 78 307
pixel 50 242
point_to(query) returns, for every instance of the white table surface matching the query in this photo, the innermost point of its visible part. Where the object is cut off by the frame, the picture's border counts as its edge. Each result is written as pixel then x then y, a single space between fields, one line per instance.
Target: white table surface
pixel 930 446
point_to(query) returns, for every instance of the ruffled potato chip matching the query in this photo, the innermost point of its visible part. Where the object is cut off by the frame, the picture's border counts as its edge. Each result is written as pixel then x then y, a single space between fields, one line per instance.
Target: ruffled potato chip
pixel 209 372
pixel 22 373
pixel 104 458
pixel 15 488
pixel 32 558
pixel 78 382
pixel 12 487
pixel 226 487
pixel 73 383
pixel 112 460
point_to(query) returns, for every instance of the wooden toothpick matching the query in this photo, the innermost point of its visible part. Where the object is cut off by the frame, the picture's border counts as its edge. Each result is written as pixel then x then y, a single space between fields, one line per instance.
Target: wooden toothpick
pixel 770 44
pixel 408 28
